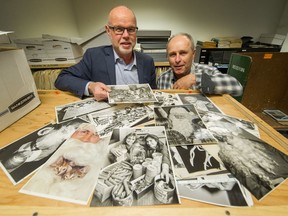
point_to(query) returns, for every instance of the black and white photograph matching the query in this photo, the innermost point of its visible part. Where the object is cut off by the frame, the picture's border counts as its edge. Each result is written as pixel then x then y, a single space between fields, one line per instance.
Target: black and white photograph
pixel 202 103
pixel 77 109
pixel 278 115
pixel 71 173
pixel 121 115
pixel 222 190
pixel 193 160
pixel 256 164
pixel 183 125
pixel 166 99
pixel 244 124
pixel 134 93
pixel 221 124
pixel 21 158
pixel 138 171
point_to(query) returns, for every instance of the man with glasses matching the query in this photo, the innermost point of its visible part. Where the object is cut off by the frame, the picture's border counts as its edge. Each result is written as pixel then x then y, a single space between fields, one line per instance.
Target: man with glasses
pixel 117 64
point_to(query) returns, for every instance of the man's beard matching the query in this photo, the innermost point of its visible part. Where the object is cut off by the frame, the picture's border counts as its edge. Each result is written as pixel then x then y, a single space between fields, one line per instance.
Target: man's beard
pixel 184 126
pixel 125 51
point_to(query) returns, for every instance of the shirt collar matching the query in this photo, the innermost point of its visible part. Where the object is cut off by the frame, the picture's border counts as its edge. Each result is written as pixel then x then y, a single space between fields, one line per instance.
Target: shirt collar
pixel 117 58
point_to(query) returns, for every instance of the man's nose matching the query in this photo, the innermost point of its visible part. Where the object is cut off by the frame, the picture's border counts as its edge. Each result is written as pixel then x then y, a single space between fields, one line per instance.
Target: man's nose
pixel 178 58
pixel 125 33
pixel 87 137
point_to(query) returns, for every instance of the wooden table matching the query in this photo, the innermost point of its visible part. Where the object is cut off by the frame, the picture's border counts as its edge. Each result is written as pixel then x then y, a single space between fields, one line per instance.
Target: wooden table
pixel 14 203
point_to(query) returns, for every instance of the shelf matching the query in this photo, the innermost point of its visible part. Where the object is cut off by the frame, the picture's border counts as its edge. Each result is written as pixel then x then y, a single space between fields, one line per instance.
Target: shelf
pixel 50 66
pixel 162 64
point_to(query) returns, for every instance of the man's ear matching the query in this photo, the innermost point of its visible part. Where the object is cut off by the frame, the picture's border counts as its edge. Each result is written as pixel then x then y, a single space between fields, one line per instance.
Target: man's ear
pixel 107 30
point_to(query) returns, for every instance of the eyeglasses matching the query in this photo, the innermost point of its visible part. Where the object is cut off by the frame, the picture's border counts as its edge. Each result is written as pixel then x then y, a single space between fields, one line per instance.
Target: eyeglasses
pixel 120 30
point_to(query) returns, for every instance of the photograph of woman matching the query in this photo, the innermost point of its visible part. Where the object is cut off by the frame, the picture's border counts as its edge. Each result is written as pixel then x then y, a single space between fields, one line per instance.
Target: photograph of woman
pixel 139 165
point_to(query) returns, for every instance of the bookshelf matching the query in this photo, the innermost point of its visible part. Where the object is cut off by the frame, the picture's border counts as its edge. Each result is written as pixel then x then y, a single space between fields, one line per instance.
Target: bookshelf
pixel 162 64
pixel 46 74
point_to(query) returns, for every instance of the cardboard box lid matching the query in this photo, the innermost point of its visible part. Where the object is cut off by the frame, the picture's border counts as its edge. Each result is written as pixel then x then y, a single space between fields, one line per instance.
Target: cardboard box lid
pixel 7 48
pixel 95 39
pixel 30 41
pixel 60 38
pixel 4 37
pixel 91 36
pixel 275 36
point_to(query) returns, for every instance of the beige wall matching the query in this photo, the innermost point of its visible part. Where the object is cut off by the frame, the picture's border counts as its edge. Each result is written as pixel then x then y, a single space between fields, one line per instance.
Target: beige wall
pixel 32 18
pixel 204 19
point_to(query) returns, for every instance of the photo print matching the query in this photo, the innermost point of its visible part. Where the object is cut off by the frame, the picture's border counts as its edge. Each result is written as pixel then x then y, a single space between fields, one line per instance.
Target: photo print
pixel 278 115
pixel 122 115
pixel 136 93
pixel 222 190
pixel 193 160
pixel 138 171
pixel 21 158
pixel 77 109
pixel 166 99
pixel 71 173
pixel 202 103
pixel 183 125
pixel 256 164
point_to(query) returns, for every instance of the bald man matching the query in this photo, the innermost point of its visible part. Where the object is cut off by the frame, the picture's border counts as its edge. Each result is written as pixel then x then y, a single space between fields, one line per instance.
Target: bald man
pixel 117 64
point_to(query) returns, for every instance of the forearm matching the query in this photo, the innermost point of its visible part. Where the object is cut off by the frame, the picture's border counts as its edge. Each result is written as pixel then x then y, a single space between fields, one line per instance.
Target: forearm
pixel 220 84
pixel 67 82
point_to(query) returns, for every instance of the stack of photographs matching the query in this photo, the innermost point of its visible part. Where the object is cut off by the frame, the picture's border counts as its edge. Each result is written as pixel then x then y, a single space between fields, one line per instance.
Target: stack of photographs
pixel 145 148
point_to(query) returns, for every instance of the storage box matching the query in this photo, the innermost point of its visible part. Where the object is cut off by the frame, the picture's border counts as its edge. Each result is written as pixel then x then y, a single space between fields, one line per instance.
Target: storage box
pixel 49 51
pixel 274 39
pixel 58 47
pixel 33 48
pixel 18 94
pixel 95 39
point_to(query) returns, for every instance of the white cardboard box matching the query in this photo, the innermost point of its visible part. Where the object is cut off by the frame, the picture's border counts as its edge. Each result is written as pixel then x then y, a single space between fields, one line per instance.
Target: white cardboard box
pixel 62 47
pixel 18 93
pixel 95 39
pixel 44 51
pixel 274 39
pixel 284 47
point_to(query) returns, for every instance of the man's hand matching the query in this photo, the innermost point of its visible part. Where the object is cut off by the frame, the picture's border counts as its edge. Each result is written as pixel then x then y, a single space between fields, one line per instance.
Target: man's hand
pixel 185 82
pixel 99 90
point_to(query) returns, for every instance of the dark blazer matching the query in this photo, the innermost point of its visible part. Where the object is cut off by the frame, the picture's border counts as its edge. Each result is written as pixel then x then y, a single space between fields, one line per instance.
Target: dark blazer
pixel 98 65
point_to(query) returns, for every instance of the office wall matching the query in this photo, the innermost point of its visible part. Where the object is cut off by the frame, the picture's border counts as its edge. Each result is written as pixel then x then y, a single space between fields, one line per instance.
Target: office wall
pixel 204 19
pixel 32 18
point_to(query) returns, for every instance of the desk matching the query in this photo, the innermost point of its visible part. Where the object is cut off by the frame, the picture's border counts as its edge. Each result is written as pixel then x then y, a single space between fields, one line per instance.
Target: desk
pixel 14 203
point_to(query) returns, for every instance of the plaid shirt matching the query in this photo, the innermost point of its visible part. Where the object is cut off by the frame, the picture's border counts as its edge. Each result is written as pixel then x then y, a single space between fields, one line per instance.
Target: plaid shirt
pixel 208 80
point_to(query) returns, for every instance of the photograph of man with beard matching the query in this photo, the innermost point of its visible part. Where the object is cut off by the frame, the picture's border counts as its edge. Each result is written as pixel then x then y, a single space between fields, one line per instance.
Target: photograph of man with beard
pixel 181 125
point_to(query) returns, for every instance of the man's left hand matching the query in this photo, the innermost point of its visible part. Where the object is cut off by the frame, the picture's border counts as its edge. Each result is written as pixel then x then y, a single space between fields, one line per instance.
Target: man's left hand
pixel 185 82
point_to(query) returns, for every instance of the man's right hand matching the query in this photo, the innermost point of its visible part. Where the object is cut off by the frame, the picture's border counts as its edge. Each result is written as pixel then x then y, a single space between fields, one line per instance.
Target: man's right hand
pixel 98 90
